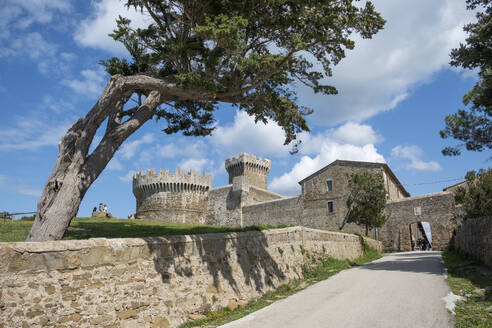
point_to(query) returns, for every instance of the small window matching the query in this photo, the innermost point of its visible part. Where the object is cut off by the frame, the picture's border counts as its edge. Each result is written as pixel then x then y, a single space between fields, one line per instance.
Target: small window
pixel 330 207
pixel 330 184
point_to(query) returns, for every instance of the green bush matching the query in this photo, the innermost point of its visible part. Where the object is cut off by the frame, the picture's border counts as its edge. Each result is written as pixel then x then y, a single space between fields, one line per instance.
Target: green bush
pixel 477 196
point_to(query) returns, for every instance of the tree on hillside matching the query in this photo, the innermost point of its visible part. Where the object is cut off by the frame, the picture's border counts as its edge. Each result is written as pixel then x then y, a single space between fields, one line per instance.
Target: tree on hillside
pixel 477 196
pixel 366 200
pixel 474 126
pixel 194 55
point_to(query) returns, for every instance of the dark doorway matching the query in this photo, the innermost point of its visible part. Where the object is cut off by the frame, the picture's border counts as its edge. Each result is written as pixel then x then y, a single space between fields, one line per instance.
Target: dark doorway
pixel 421 236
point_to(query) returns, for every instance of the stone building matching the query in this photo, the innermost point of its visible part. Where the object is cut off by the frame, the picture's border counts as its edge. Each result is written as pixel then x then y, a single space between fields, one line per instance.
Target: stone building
pixel 325 192
pixel 246 201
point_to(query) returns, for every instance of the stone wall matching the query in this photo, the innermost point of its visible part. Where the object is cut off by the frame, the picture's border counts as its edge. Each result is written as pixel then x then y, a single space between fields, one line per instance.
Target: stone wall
pixel 438 209
pixel 223 207
pixel 474 238
pixel 225 204
pixel 152 282
pixel 275 212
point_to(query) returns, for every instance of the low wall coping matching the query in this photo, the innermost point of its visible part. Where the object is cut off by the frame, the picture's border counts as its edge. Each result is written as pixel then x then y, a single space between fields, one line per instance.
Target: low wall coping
pixel 119 243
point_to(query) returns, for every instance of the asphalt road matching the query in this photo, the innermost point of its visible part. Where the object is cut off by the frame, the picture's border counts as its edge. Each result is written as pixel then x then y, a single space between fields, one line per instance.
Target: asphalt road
pixel 398 290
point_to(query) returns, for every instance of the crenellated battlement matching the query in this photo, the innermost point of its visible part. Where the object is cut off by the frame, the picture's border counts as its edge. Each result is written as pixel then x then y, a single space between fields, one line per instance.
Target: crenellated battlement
pixel 256 169
pixel 164 181
pixel 248 160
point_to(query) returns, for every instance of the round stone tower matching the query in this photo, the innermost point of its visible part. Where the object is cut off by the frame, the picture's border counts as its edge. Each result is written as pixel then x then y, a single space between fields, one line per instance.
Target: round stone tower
pixel 179 197
pixel 256 169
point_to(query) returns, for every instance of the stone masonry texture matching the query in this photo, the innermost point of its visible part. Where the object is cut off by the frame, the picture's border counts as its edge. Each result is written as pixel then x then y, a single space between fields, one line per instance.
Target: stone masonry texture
pixel 256 169
pixel 153 282
pixel 474 238
pixel 437 209
pixel 180 197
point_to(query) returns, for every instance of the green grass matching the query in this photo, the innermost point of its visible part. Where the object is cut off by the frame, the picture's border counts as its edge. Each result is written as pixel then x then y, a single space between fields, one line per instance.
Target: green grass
pixel 84 228
pixel 469 279
pixel 326 268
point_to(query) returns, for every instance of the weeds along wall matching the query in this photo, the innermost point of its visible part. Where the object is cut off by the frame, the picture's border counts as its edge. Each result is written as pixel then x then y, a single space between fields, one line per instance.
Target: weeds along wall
pixel 474 238
pixel 153 282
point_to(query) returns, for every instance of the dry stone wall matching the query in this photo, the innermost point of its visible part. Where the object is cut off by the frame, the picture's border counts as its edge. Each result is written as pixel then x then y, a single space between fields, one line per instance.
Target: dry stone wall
pixel 474 238
pixel 152 282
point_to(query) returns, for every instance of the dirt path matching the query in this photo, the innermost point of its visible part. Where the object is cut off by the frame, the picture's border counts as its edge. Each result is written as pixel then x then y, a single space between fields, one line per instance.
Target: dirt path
pixel 399 290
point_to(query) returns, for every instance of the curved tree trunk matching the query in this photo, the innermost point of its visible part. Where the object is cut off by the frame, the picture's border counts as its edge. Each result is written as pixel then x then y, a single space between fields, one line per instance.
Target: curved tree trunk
pixel 75 169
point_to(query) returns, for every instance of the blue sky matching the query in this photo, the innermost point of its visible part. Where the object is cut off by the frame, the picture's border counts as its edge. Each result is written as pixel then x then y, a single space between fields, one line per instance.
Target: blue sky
pixel 394 93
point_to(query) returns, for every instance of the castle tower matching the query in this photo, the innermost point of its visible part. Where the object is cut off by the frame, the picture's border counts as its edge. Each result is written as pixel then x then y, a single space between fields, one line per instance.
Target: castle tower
pixel 255 169
pixel 179 197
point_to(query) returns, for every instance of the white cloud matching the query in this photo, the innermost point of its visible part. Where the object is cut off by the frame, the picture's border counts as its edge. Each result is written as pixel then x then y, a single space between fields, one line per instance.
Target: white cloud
pixel 18 40
pixel 57 105
pixel 91 84
pixel 196 164
pixel 414 154
pixel 350 133
pixel 28 191
pixel 128 177
pixel 39 50
pixel 93 31
pixel 19 187
pixel 32 45
pixel 381 72
pixel 356 134
pixel 68 56
pixel 326 149
pixel 181 147
pixel 115 165
pixel 20 14
pixel 129 149
pixel 28 133
pixel 243 135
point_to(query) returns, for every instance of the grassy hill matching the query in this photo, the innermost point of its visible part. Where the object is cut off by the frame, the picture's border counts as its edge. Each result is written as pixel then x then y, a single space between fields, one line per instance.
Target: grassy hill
pixel 84 228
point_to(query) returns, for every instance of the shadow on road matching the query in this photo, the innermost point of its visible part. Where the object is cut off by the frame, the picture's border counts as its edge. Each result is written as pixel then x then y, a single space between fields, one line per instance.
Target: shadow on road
pixel 419 262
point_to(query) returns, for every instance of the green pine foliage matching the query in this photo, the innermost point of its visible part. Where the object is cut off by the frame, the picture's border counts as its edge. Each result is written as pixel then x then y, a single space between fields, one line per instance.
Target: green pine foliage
pixel 477 197
pixel 473 126
pixel 248 53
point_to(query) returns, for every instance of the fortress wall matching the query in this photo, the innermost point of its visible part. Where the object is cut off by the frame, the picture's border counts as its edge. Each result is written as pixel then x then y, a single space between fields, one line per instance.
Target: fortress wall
pixel 152 282
pixel 171 197
pixel 223 207
pixel 281 211
pixel 438 209
pixel 179 207
pixel 474 238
